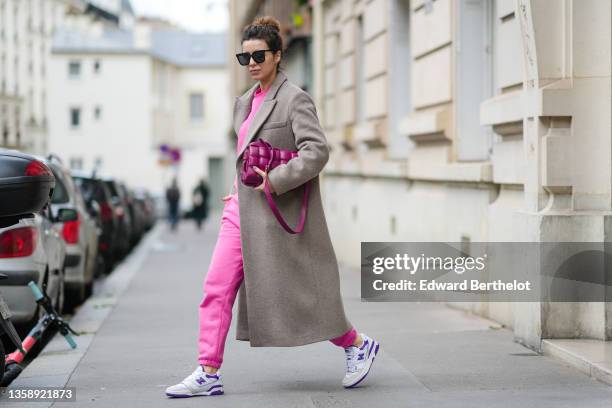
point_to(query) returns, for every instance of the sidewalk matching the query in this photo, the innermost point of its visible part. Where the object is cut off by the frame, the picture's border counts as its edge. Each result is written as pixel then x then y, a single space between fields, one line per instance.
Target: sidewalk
pixel 431 356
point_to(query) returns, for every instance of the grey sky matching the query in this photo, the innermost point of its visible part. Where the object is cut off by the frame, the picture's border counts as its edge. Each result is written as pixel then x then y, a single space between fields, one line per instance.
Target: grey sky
pixel 194 15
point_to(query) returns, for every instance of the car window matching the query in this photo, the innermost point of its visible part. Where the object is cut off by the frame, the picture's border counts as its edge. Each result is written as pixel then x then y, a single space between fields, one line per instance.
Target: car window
pixel 112 188
pixel 60 193
pixel 91 189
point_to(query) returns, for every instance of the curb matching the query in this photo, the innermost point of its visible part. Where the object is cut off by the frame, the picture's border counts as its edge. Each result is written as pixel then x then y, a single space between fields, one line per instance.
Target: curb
pixel 572 353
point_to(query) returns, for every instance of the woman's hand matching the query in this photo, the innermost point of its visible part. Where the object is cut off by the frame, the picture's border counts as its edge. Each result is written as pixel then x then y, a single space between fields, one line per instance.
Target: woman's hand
pixel 265 179
pixel 227 197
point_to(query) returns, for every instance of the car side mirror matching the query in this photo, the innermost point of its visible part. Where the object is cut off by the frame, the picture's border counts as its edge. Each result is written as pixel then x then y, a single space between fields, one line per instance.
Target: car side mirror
pixel 66 215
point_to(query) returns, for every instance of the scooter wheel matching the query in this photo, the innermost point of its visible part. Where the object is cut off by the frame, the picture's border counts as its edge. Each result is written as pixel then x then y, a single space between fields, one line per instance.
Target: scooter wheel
pixel 12 371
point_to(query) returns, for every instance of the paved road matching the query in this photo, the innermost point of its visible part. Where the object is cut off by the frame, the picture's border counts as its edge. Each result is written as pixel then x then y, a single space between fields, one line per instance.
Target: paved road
pixel 431 356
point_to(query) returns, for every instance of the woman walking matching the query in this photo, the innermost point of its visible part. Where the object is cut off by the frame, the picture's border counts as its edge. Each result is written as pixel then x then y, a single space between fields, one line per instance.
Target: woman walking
pixel 200 203
pixel 288 284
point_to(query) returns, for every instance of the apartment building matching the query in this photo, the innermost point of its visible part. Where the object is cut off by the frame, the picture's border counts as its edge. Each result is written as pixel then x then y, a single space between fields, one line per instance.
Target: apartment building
pixel 26 28
pixel 471 121
pixel 26 33
pixel 119 95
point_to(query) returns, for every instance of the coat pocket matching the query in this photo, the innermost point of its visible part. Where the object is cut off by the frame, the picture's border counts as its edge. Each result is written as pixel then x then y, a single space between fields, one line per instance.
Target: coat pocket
pixel 272 125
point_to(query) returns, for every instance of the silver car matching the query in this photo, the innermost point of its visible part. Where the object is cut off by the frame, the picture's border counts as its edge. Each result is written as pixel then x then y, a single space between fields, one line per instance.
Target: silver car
pixel 31 249
pixel 80 235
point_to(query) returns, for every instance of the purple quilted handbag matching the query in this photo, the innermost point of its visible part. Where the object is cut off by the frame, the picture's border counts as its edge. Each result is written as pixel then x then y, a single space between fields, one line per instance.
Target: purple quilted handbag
pixel 261 154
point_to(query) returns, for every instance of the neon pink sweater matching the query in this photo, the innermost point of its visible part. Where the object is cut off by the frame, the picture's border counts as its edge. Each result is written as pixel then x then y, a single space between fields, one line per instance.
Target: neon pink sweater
pixel 242 133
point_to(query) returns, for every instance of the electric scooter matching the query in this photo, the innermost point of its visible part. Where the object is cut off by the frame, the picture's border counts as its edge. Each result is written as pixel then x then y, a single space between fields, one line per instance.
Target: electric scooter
pixel 49 320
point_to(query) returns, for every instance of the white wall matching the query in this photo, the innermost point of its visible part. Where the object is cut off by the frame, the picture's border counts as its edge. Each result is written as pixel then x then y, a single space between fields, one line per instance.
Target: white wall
pixel 198 139
pixel 123 135
pixel 139 112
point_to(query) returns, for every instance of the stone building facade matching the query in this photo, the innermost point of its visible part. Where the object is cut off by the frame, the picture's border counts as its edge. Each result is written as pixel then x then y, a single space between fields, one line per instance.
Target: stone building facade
pixel 469 121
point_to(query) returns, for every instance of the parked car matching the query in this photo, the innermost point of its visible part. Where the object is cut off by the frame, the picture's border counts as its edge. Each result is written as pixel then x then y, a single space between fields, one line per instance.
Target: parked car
pixel 98 200
pixel 146 202
pixel 31 248
pixel 80 235
pixel 124 220
pixel 161 206
pixel 137 226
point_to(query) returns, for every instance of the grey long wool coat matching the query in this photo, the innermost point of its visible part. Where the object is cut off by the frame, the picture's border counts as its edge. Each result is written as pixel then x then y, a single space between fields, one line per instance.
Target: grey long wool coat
pixel 290 295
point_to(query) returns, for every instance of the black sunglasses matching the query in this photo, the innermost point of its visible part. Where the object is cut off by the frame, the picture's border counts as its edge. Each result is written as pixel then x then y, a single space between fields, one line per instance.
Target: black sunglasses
pixel 259 56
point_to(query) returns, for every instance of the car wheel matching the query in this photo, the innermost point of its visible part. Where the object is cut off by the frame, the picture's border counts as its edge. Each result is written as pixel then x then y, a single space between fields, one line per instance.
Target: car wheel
pixel 60 297
pixel 2 356
pixel 81 294
pixel 109 264
pixel 89 289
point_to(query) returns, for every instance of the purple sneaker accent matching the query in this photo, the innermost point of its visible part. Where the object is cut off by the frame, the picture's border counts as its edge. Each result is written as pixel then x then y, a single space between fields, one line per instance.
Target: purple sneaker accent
pixel 370 350
pixel 178 395
pixel 202 380
pixel 215 392
pixel 371 353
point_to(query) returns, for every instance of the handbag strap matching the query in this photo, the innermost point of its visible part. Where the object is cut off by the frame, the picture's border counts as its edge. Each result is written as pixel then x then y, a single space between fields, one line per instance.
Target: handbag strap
pixel 279 216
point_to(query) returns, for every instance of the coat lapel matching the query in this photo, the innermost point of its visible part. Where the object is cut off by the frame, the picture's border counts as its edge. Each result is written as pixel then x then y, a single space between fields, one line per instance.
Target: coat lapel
pixel 262 114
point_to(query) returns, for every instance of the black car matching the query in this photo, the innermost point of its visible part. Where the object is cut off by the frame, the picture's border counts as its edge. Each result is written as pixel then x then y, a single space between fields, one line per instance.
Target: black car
pixel 122 213
pixel 99 201
pixel 136 214
pixel 144 199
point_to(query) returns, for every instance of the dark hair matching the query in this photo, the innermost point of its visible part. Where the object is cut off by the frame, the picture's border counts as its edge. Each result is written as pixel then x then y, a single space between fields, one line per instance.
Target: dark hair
pixel 265 28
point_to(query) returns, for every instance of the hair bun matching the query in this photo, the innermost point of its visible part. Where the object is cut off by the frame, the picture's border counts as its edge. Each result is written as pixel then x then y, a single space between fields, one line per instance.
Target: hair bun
pixel 267 21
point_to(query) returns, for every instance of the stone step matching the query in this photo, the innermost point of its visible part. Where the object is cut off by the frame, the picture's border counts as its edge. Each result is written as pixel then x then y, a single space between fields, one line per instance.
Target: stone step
pixel 592 357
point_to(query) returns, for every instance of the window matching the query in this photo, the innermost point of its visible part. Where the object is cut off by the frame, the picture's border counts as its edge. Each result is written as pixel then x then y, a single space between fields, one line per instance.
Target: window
pixel 60 194
pixel 473 78
pixel 400 63
pixel 97 112
pixel 161 80
pixel 75 117
pixel 97 66
pixel 359 72
pixel 74 69
pixel 98 162
pixel 76 163
pixel 196 106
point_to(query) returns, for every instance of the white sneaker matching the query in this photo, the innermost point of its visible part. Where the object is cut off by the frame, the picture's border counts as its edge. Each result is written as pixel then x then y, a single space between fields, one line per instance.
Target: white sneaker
pixel 359 361
pixel 197 383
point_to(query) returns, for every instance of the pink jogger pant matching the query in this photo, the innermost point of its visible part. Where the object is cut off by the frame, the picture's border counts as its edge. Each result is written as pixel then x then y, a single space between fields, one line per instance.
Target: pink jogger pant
pixel 221 286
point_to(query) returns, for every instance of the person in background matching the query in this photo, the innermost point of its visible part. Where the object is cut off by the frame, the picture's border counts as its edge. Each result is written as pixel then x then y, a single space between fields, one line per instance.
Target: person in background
pixel 173 196
pixel 200 203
